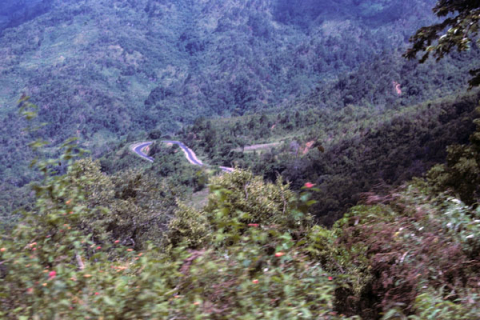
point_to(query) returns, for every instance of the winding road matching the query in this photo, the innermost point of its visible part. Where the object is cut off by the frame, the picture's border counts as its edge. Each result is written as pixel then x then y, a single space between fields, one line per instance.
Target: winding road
pixel 138 148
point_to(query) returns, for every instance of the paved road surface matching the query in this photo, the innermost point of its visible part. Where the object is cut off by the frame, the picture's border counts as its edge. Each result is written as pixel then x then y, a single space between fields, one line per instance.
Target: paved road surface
pixel 189 154
pixel 137 148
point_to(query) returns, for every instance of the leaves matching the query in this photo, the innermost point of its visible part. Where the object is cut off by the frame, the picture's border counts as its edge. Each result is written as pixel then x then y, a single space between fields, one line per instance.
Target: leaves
pixel 461 29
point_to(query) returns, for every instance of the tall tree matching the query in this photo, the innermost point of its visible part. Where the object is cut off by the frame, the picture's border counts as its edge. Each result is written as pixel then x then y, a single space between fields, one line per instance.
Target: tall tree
pixel 458 29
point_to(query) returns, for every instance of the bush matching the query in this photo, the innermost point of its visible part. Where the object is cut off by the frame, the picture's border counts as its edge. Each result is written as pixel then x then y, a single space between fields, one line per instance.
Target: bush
pixel 61 261
pixel 407 247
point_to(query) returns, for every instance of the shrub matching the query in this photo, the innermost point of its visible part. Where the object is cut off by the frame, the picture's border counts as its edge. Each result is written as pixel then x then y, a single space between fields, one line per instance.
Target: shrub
pixel 61 261
pixel 410 246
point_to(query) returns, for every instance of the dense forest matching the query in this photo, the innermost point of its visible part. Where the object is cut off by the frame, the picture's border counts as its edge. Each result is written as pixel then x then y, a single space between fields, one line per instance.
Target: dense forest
pixel 107 69
pixel 355 159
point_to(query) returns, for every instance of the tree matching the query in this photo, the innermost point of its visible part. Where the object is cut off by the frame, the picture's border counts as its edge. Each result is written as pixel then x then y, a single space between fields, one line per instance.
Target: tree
pixel 461 172
pixel 458 30
pixel 130 207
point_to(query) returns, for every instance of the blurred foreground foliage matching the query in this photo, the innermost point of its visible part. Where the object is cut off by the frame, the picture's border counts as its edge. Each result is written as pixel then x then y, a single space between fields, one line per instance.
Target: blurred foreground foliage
pixel 69 258
pixel 94 246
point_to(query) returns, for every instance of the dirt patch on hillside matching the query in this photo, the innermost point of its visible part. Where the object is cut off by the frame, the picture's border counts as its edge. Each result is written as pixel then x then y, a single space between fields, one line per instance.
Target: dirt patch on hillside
pixel 308 146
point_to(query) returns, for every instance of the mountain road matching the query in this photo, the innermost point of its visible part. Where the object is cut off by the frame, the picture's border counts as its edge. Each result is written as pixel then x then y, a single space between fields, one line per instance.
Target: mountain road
pixel 141 149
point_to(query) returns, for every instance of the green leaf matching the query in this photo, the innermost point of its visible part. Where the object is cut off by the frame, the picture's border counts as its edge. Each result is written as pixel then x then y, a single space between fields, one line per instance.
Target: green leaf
pixel 109 301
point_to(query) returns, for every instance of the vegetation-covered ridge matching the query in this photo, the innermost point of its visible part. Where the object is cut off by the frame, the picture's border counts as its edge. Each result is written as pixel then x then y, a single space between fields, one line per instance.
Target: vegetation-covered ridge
pixel 251 252
pixel 322 221
pixel 101 70
pixel 345 152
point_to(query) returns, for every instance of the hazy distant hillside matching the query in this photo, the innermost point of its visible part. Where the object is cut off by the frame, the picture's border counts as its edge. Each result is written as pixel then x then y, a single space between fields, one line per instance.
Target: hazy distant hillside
pixel 16 12
pixel 373 12
pixel 212 57
pixel 108 68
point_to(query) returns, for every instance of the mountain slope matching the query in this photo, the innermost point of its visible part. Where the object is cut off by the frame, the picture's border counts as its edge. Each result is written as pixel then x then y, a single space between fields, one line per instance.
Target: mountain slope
pixel 158 58
pixel 100 70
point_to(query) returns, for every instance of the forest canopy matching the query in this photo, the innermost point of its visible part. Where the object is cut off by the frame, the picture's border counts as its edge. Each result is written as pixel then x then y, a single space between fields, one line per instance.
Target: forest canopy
pixel 352 182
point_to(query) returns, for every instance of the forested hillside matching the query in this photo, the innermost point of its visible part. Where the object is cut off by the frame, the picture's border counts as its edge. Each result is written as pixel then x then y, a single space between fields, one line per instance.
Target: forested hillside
pixel 16 12
pixel 110 73
pixel 239 159
pixel 101 70
pixel 95 245
pixel 346 152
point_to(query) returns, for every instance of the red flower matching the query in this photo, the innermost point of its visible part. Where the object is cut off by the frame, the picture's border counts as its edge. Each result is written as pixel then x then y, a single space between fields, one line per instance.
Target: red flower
pixel 98 248
pixel 330 278
pixel 255 225
pixel 96 293
pixel 255 281
pixel 309 185
pixel 279 254
pixel 52 275
pixel 117 241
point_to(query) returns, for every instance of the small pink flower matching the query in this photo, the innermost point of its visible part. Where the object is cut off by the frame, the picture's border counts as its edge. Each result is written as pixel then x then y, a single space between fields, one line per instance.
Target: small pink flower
pixel 255 281
pixel 96 293
pixel 117 241
pixel 330 278
pixel 98 248
pixel 309 185
pixel 52 275
pixel 279 254
pixel 255 225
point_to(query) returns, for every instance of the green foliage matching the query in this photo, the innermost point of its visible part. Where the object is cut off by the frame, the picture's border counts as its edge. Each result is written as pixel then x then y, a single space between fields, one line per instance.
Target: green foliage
pixel 243 199
pixel 457 31
pixel 17 12
pixel 250 252
pixel 257 201
pixel 52 269
pixel 258 269
pixel 123 246
pixel 434 306
pixel 461 172
pixel 188 227
pixel 415 254
pixel 346 152
pixel 234 260
pixel 150 61
pixel 137 208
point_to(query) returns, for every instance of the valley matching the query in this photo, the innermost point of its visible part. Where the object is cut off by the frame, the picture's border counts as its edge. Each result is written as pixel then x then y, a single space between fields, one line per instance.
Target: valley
pixel 239 159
